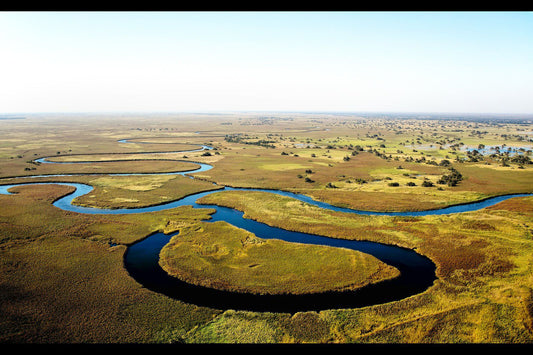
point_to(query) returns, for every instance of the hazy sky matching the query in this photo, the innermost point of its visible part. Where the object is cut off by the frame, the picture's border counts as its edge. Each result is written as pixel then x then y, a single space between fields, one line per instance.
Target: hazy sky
pixel 261 61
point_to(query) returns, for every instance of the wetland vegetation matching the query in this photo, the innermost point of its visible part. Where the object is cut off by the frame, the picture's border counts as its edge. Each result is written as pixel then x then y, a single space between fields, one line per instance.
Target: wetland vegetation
pixel 63 275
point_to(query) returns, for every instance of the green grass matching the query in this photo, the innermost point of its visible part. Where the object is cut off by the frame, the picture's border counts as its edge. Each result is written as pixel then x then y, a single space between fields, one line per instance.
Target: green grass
pixel 58 268
pixel 483 263
pixel 222 256
pixel 63 282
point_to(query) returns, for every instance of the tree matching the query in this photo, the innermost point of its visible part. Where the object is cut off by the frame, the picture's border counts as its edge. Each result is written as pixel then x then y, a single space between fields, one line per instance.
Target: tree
pixel 427 183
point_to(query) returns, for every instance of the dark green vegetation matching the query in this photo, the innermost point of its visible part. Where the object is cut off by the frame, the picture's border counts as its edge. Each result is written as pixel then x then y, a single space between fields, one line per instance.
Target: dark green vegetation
pixel 62 274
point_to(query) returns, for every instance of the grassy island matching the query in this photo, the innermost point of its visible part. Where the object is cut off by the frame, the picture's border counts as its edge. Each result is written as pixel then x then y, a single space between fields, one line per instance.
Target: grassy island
pixel 222 256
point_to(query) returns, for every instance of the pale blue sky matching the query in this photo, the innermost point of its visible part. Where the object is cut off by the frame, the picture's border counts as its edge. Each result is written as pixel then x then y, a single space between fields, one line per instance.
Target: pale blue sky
pixel 480 62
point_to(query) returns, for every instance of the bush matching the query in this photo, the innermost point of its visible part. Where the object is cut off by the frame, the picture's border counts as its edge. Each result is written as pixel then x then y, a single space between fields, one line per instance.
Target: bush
pixel 427 183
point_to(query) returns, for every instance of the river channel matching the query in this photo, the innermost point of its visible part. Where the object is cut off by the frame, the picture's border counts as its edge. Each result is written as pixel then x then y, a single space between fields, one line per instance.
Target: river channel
pixel 141 260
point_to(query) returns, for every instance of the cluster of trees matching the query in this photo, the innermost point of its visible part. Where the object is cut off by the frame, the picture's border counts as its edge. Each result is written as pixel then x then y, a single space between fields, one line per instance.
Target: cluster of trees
pixel 521 159
pixel 451 179
pixel 31 162
pixel 237 138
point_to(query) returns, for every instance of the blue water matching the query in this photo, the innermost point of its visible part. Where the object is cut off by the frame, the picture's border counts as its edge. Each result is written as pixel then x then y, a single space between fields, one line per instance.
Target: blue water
pixel 492 149
pixel 141 259
pixel 65 202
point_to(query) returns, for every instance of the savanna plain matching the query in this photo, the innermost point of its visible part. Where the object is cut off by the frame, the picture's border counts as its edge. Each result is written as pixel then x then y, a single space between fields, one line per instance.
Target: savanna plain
pixel 63 277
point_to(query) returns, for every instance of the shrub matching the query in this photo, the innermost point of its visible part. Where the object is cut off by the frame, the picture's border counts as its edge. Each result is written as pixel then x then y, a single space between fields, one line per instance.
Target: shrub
pixel 427 183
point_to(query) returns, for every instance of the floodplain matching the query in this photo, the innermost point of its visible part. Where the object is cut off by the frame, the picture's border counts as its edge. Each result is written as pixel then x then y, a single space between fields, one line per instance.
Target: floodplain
pixel 63 277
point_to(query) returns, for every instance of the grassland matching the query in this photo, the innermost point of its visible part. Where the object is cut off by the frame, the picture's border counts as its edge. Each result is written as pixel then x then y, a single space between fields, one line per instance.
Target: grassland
pixel 63 278
pixel 62 273
pixel 221 256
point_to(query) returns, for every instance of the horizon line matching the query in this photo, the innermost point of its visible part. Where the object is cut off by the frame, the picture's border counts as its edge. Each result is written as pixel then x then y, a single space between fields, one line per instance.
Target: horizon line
pixel 265 111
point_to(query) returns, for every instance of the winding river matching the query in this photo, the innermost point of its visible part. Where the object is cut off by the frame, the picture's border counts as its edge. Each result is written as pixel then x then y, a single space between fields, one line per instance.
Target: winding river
pixel 141 259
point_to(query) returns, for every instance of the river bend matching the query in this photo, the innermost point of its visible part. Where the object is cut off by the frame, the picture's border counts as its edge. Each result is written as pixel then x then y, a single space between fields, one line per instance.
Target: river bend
pixel 141 259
